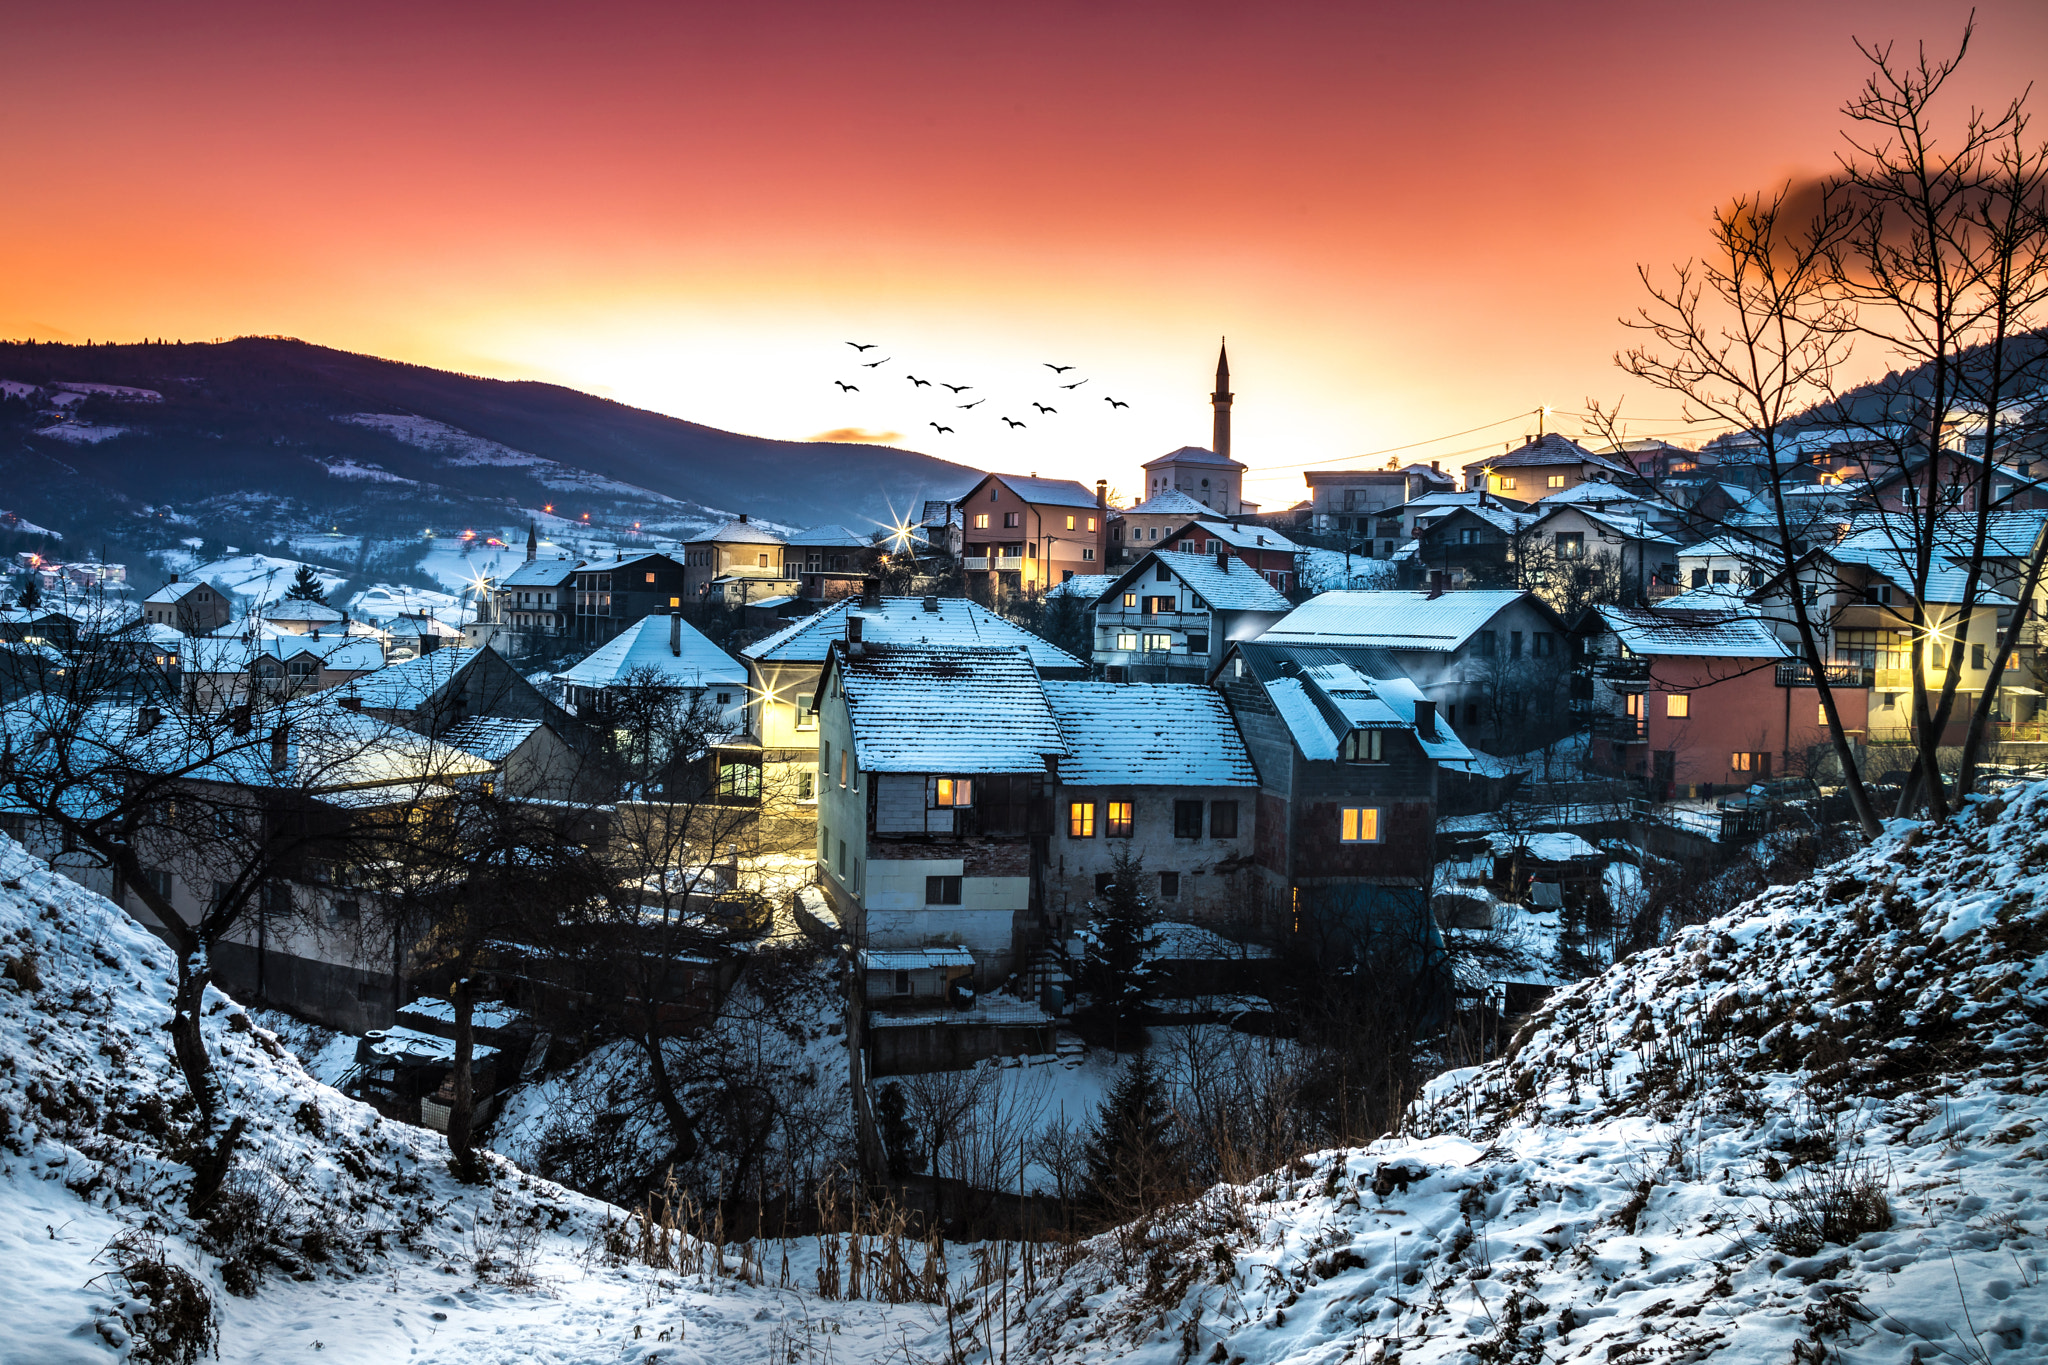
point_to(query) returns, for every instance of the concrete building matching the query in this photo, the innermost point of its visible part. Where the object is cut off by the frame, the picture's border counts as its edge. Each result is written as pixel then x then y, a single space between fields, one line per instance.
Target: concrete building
pixel 1494 662
pixel 1541 466
pixel 608 597
pixel 1171 616
pixel 1138 528
pixel 193 608
pixel 740 549
pixel 1031 533
pixel 530 607
pixel 1350 502
pixel 664 652
pixel 936 768
pixel 1160 774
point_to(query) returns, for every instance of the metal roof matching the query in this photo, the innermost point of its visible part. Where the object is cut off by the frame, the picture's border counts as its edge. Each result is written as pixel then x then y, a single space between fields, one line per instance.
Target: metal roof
pixel 1660 632
pixel 1392 620
pixel 643 649
pixel 1242 588
pixel 925 709
pixel 1144 735
pixel 904 621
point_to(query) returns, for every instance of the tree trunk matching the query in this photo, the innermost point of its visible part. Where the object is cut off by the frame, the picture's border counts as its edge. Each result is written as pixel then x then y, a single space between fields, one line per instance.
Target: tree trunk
pixel 681 1129
pixel 188 1044
pixel 462 1113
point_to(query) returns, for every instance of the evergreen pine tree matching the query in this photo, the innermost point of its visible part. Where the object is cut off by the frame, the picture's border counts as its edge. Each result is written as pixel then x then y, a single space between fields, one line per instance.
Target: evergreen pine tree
pixel 1132 1150
pixel 31 595
pixel 1116 970
pixel 899 1135
pixel 306 587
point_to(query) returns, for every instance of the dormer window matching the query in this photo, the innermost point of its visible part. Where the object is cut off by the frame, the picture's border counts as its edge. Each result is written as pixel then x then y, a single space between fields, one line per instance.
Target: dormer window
pixel 1365 746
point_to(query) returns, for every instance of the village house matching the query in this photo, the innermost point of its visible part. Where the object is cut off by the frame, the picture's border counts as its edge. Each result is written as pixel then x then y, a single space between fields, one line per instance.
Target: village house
pixel 1472 544
pixel 664 652
pixel 784 669
pixel 1266 552
pixel 296 616
pixel 528 759
pixel 266 666
pixel 191 608
pixel 1354 502
pixel 611 596
pixel 1157 773
pixel 1032 533
pixel 936 771
pixel 1138 528
pixel 1575 532
pixel 1541 466
pixel 530 606
pixel 1346 749
pixel 419 633
pixel 1700 702
pixel 437 692
pixel 740 549
pixel 1417 513
pixel 1493 661
pixel 828 562
pixel 1171 616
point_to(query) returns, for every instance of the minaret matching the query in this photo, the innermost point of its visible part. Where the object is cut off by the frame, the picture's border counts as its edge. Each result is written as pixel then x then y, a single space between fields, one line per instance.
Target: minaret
pixel 532 543
pixel 1220 442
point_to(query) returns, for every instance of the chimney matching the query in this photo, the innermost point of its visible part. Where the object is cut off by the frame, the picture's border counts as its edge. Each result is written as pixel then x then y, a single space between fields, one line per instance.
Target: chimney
pixel 675 634
pixel 871 592
pixel 1102 495
pixel 1436 584
pixel 1436 466
pixel 853 633
pixel 1425 719
pixel 931 604
pixel 1223 560
pixel 743 518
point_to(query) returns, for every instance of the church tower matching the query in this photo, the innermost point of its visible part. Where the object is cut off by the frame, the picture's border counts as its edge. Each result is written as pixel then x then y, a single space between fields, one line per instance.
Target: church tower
pixel 532 543
pixel 1220 441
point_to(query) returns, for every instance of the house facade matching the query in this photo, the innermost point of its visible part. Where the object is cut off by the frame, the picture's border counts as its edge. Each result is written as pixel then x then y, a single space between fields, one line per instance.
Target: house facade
pixel 1031 533
pixel 1171 616
pixel 608 597
pixel 1542 466
pixel 1159 774
pixel 664 652
pixel 1140 527
pixel 1265 552
pixel 191 608
pixel 739 549
pixel 532 606
pixel 936 769
pixel 1353 502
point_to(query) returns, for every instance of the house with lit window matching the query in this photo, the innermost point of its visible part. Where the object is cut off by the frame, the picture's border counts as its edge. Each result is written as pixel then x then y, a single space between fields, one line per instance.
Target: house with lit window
pixel 1156 772
pixel 1346 749
pixel 532 605
pixel 664 652
pixel 1576 531
pixel 1031 533
pixel 1354 502
pixel 609 595
pixel 1477 541
pixel 937 767
pixel 739 550
pixel 1139 527
pixel 785 668
pixel 1542 466
pixel 265 666
pixel 1171 616
pixel 192 608
pixel 1700 702
pixel 1496 662
pixel 1263 550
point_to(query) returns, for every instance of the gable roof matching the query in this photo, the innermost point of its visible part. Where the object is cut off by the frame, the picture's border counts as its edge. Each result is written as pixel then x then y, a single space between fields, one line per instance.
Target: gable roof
pixel 1145 735
pixel 644 646
pixel 1550 449
pixel 175 591
pixel 489 738
pixel 1086 586
pixel 737 532
pixel 541 573
pixel 1050 492
pixel 411 684
pixel 1633 528
pixel 1248 537
pixel 1324 693
pixel 297 609
pixel 1395 620
pixel 1241 589
pixel 1194 455
pixel 925 709
pixel 1660 632
pixel 829 535
pixel 904 621
pixel 1501 519
pixel 1170 502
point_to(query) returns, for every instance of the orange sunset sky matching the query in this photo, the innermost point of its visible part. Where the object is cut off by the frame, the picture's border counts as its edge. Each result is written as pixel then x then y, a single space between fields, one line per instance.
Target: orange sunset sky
pixel 1409 219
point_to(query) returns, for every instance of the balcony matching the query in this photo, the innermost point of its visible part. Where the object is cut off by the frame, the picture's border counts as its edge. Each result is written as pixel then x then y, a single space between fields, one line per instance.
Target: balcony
pixel 1798 673
pixel 1892 679
pixel 1622 729
pixel 1621 670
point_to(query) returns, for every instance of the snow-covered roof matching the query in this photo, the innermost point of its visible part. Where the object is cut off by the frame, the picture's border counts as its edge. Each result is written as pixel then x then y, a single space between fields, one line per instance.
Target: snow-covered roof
pixel 1239 588
pixel 541 573
pixel 1169 502
pixel 1324 692
pixel 925 709
pixel 1249 537
pixel 1086 586
pixel 174 592
pixel 490 738
pixel 1556 846
pixel 1708 597
pixel 409 685
pixel 1049 492
pixel 1633 528
pixel 1661 632
pixel 829 536
pixel 904 621
pixel 643 647
pixel 421 624
pixel 235 653
pixel 295 609
pixel 412 1047
pixel 1726 547
pixel 1148 736
pixel 1194 455
pixel 738 533
pixel 1550 449
pixel 1502 519
pixel 1392 620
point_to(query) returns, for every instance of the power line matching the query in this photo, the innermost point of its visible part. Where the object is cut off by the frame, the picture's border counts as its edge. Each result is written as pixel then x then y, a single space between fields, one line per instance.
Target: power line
pixel 1394 450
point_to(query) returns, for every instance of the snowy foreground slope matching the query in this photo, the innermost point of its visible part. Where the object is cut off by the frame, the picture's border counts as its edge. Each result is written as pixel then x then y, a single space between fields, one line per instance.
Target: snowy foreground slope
pixel 346 1238
pixel 1813 1130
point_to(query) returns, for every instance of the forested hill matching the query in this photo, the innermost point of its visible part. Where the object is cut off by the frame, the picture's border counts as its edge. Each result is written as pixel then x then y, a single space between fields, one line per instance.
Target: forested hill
pixel 280 419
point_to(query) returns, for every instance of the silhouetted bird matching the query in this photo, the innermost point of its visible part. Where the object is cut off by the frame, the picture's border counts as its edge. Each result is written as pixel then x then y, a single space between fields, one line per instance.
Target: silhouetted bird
pixel 957 388
pixel 1075 385
pixel 849 388
pixel 1013 421
pixel 975 404
pixel 936 427
pixel 1043 408
pixel 1056 369
pixel 871 364
pixel 1113 402
pixel 862 345
pixel 918 383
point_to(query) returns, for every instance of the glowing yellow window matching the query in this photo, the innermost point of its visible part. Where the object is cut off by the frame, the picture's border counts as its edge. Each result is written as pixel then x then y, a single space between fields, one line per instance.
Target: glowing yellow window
pixel 1361 825
pixel 1081 820
pixel 1070 523
pixel 1678 705
pixel 1119 820
pixel 952 791
pixel 1091 523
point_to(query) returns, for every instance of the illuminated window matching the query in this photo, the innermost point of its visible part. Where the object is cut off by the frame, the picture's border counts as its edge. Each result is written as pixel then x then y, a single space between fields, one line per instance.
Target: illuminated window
pixel 842 767
pixel 1554 481
pixel 1091 523
pixel 1364 746
pixel 1119 820
pixel 1081 820
pixel 981 521
pixel 1820 714
pixel 1130 599
pixel 1361 825
pixel 1070 523
pixel 1678 705
pixel 951 792
pixel 675 601
pixel 1127 639
pixel 1158 644
pixel 1504 483
pixel 650 578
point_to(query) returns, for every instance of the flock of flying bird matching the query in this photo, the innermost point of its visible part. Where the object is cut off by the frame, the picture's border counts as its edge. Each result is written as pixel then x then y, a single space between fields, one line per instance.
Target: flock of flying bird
pixel 863 347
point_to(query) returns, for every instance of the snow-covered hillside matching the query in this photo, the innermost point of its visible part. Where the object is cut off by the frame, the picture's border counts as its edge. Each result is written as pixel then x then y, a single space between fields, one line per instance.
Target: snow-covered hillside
pixel 340 1236
pixel 1813 1130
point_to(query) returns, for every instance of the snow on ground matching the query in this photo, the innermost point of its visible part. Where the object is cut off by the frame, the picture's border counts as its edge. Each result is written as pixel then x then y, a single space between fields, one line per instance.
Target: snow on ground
pixel 382 601
pixel 344 1231
pixel 257 577
pixel 367 473
pixel 456 446
pixel 1811 1130
pixel 79 434
pixel 456 564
